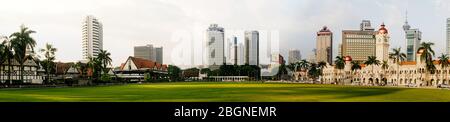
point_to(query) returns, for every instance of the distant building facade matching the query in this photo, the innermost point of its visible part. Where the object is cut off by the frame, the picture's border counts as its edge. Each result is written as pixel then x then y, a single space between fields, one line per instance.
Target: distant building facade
pixel 149 52
pixel 324 47
pixel 359 44
pixel 215 43
pixel 252 47
pixel 294 56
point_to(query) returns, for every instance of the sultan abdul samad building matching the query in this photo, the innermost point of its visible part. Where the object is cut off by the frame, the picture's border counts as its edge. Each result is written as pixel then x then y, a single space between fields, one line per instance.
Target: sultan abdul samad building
pixel 410 73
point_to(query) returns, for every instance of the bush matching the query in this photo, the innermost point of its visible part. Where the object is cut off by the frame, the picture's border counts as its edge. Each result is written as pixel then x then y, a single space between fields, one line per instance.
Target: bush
pixel 106 78
pixel 147 77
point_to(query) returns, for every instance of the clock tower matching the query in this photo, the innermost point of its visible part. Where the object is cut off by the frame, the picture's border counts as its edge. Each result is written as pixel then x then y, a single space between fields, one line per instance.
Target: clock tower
pixel 382 44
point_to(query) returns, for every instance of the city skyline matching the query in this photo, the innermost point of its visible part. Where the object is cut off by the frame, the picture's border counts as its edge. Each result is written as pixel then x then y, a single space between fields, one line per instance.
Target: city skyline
pixel 58 22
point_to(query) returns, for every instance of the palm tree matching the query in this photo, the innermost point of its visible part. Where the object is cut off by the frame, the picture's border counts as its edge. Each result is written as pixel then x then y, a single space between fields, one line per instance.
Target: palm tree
pixel 8 54
pixel 92 64
pixel 355 67
pixel 398 57
pixel 314 72
pixel 427 56
pixel 2 58
pixel 371 61
pixel 321 65
pixel 444 62
pixel 340 64
pixel 20 41
pixel 384 67
pixel 104 57
pixel 81 67
pixel 303 64
pixel 49 54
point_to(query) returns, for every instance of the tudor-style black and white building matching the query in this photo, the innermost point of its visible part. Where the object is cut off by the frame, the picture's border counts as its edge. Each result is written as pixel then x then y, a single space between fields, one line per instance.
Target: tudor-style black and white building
pixel 11 72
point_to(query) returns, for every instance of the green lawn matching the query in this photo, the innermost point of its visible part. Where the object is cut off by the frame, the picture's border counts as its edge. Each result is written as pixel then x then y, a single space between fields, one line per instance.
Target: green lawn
pixel 225 92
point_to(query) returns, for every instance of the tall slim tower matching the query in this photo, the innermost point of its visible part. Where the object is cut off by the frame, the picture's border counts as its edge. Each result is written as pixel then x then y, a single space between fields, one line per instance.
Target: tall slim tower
pixel 92 37
pixel 382 44
pixel 215 44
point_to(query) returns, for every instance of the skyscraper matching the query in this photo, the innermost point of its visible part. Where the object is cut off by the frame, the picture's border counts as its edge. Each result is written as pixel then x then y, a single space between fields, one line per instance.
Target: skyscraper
pixel 294 56
pixel 252 47
pixel 324 48
pixel 359 44
pixel 413 38
pixel 149 52
pixel 240 54
pixel 159 55
pixel 233 51
pixel 92 37
pixel 215 44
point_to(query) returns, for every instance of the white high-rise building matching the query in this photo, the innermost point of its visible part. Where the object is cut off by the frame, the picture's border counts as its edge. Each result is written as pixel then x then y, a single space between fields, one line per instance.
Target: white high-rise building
pixel 240 54
pixel 252 47
pixel 92 37
pixel 215 44
pixel 447 47
pixel 382 44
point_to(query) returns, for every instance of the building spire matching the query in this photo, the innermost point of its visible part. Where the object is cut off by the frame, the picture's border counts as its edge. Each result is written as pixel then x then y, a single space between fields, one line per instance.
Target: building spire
pixel 406 16
pixel 406 26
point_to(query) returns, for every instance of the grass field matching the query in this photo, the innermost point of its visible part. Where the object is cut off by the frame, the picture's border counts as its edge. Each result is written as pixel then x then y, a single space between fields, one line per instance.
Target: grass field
pixel 225 92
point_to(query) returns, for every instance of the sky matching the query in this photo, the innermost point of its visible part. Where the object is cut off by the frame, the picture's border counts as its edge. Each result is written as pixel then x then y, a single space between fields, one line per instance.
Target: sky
pixel 128 23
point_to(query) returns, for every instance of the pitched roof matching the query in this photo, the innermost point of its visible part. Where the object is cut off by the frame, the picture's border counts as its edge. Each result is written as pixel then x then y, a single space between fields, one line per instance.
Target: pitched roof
pixel 61 68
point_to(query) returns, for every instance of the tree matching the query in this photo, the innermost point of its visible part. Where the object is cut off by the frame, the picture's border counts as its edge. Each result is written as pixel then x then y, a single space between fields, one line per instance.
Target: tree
pixel 427 56
pixel 371 61
pixel 398 57
pixel 313 71
pixel 2 58
pixel 174 73
pixel 94 67
pixel 384 67
pixel 355 66
pixel 340 64
pixel 444 62
pixel 20 41
pixel 49 54
pixel 82 68
pixel 191 72
pixel 104 57
pixel 304 65
pixel 321 65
